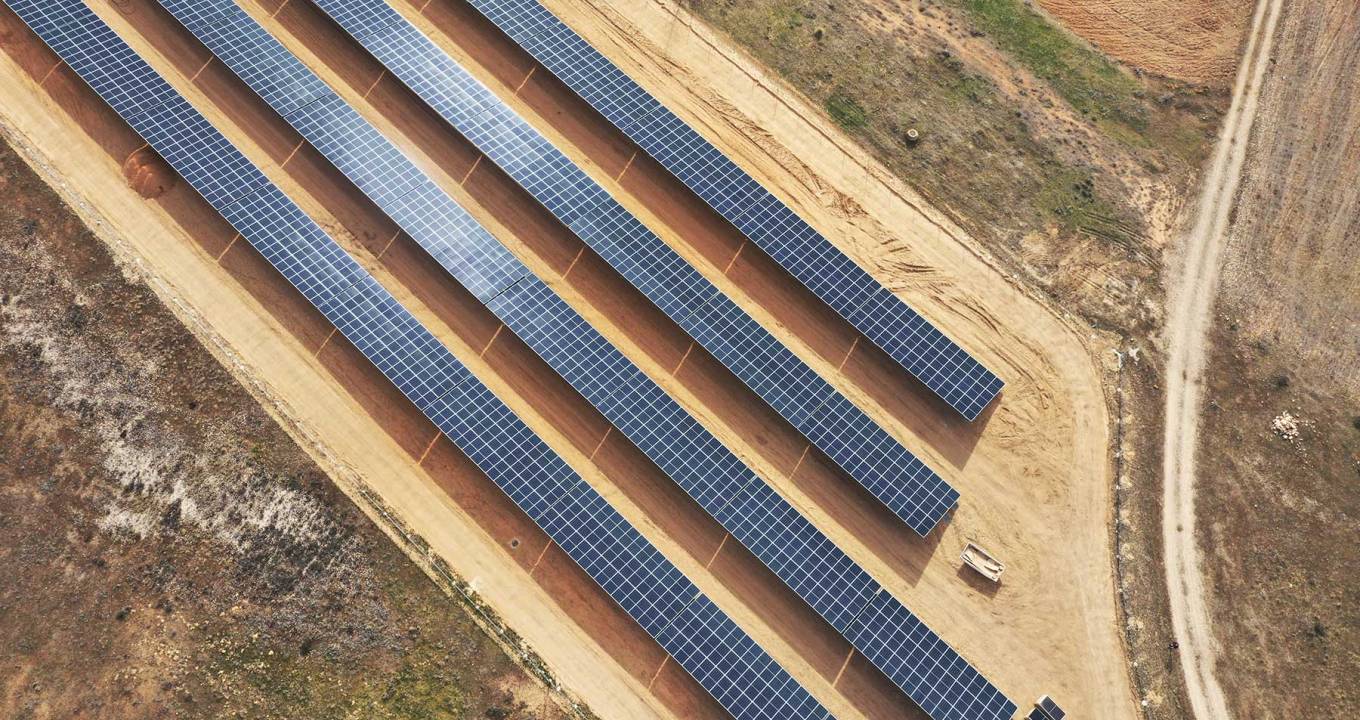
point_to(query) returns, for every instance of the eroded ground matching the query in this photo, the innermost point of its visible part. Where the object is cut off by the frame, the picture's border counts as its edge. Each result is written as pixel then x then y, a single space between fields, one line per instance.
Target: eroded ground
pixel 167 550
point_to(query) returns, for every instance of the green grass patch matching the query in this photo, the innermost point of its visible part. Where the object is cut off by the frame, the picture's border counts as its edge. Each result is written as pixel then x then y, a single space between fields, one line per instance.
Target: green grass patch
pixel 1091 83
pixel 846 111
pixel 1070 198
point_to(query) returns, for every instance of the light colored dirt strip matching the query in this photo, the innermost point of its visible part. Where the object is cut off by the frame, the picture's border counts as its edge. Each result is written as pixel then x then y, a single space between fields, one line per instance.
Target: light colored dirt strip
pixel 1190 312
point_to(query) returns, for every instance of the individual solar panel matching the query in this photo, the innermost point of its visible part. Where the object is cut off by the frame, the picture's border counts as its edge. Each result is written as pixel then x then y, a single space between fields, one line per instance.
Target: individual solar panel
pixel 852 442
pixel 708 644
pixel 958 377
pixel 634 574
pixel 221 179
pixel 966 386
pixel 919 662
pixel 861 447
pixel 631 401
pixel 221 25
pixel 625 243
pixel 779 376
pixel 792 388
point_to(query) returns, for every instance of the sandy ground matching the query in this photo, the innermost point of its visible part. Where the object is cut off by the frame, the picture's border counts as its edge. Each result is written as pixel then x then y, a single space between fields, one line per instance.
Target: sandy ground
pixel 1034 472
pixel 1196 41
pixel 1191 306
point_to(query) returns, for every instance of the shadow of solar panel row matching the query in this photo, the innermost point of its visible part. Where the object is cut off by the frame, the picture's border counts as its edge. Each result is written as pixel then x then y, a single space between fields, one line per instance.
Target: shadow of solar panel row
pixel 862 448
pixel 647 586
pixel 643 412
pixel 944 367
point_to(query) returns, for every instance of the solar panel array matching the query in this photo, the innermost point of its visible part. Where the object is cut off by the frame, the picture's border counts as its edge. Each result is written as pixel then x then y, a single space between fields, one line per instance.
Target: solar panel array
pixel 755 514
pixel 636 405
pixel 917 345
pixel 829 580
pixel 862 448
pixel 702 639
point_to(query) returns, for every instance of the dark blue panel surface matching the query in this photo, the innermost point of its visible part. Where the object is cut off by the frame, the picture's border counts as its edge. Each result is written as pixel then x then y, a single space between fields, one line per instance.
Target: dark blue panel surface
pixel 799 553
pixel 927 669
pixel 601 541
pixel 713 649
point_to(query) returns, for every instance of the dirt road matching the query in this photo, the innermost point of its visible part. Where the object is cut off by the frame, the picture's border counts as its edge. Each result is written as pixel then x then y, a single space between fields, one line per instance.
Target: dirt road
pixel 1191 303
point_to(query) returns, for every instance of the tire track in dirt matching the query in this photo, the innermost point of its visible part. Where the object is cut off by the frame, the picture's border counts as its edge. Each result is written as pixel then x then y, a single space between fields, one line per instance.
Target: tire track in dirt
pixel 1190 308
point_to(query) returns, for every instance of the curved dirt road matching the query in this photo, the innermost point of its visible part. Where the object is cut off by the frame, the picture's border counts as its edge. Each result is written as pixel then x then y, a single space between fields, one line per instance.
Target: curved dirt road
pixel 1191 308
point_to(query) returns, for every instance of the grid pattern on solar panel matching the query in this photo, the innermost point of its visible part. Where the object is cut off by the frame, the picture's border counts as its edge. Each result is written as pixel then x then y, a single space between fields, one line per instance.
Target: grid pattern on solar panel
pixel 638 407
pixel 835 425
pixel 768 222
pixel 219 24
pixel 640 255
pixel 405 352
pixel 641 410
pixel 956 374
pixel 831 582
pixel 935 676
pixel 852 442
pixel 793 389
pixel 220 178
pixel 712 647
pixel 625 243
pixel 601 541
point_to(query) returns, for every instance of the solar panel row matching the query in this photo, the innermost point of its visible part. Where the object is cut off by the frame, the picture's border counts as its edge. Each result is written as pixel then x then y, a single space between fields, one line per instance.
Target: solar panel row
pixel 703 640
pixel 862 448
pixel 753 512
pixel 944 367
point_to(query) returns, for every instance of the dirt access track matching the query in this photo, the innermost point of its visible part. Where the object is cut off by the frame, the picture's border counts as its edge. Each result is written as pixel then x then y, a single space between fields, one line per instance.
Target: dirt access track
pixel 1034 471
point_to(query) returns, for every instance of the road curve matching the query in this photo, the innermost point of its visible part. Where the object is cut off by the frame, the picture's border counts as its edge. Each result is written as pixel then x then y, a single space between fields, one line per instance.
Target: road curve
pixel 1190 308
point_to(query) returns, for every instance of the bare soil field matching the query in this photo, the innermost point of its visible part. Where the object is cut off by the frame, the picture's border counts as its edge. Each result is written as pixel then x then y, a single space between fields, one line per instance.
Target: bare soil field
pixel 1278 509
pixel 168 550
pixel 1198 41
